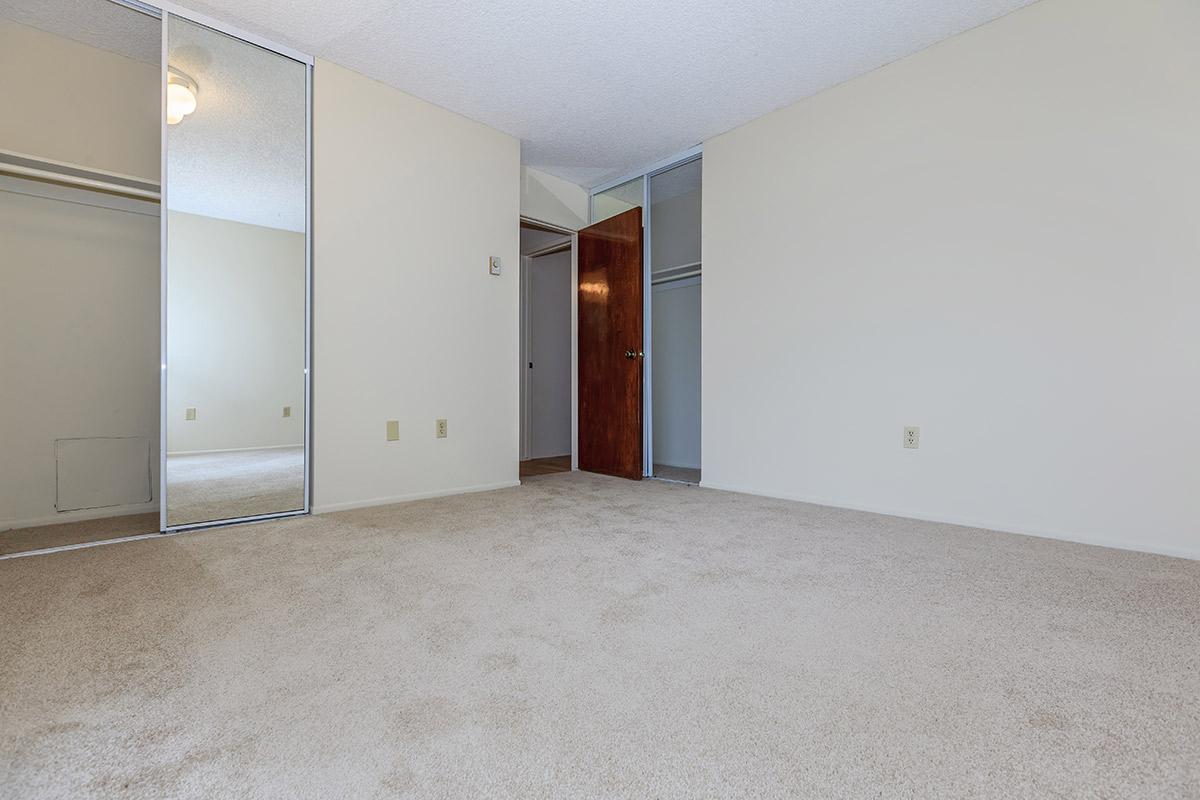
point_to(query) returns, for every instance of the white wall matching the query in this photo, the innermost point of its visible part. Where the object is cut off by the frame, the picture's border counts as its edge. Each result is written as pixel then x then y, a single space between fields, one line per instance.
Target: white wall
pixel 994 239
pixel 235 334
pixel 675 395
pixel 551 199
pixel 70 102
pixel 410 200
pixel 79 337
pixel 548 317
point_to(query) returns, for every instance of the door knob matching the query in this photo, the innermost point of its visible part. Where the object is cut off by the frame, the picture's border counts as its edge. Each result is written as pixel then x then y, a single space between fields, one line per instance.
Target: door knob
pixel 631 354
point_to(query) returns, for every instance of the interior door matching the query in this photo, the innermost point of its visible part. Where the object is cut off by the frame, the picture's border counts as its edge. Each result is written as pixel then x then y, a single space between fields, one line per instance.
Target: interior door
pixel 610 346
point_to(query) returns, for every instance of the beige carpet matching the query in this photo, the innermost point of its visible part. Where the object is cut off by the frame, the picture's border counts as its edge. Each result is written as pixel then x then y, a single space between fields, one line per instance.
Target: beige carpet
pixel 588 637
pixel 244 483
pixel 22 540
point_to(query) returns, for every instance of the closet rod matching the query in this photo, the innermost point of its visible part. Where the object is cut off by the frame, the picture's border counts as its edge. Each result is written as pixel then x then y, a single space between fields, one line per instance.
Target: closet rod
pixel 673 278
pixel 675 273
pixel 44 169
pixel 550 250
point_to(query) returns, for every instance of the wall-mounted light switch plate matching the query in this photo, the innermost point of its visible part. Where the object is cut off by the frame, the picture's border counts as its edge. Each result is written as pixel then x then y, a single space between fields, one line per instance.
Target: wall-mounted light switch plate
pixel 912 437
pixel 189 414
pixel 287 411
pixel 393 430
pixel 442 429
pixel 494 265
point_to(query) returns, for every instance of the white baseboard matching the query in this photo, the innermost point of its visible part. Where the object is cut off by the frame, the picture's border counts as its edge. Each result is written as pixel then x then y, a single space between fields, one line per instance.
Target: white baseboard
pixel 78 516
pixel 233 450
pixel 406 498
pixel 967 522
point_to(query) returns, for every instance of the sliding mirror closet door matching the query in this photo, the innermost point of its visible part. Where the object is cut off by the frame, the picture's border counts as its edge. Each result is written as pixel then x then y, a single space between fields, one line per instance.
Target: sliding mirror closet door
pixel 236 206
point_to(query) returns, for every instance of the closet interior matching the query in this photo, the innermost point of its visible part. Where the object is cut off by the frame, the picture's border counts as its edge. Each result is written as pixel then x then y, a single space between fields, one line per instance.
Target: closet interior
pixel 674 258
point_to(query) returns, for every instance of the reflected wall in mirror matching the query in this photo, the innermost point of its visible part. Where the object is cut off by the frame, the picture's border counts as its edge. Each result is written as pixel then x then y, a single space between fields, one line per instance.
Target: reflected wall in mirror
pixel 617 200
pixel 236 278
pixel 79 273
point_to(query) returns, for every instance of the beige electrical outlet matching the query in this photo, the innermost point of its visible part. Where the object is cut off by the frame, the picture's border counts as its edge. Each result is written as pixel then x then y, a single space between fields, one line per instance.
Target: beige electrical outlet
pixel 287 411
pixel 189 414
pixel 442 429
pixel 393 430
pixel 912 437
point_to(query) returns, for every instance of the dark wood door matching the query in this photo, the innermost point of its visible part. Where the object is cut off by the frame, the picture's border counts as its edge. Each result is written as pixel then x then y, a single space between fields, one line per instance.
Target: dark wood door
pixel 610 346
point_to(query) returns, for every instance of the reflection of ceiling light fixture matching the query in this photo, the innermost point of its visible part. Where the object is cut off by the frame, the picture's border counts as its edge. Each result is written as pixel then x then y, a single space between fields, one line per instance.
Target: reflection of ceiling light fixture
pixel 181 95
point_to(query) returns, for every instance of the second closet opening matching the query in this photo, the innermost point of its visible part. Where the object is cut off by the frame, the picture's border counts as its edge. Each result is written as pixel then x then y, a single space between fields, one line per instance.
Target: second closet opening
pixel 675 285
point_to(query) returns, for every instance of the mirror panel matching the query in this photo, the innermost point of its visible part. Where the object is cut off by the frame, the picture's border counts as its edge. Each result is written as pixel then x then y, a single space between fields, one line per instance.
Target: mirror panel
pixel 236 277
pixel 617 200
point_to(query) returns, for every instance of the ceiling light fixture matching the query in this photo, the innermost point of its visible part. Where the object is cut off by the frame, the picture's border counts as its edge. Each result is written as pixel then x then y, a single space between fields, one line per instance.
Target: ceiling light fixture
pixel 181 96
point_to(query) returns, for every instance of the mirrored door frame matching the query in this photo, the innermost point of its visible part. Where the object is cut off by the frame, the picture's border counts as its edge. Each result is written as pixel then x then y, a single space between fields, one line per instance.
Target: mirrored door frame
pixel 645 175
pixel 164 11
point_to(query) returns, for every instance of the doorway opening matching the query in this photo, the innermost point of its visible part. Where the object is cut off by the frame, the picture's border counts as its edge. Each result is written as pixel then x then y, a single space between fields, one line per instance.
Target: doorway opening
pixel 547 288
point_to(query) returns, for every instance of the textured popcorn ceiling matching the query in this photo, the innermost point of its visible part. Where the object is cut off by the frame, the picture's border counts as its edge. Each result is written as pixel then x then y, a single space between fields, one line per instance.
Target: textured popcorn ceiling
pixel 96 22
pixel 595 90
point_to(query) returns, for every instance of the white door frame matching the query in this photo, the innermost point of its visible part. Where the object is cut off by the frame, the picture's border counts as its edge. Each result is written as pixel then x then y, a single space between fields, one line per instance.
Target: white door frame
pixel 524 342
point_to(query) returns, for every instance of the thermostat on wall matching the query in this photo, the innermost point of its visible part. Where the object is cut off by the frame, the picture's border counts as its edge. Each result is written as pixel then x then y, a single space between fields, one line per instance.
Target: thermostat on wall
pixel 494 265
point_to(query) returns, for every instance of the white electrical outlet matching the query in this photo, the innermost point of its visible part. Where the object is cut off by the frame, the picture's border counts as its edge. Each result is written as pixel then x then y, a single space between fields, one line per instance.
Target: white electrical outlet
pixel 912 437
pixel 494 265
pixel 442 429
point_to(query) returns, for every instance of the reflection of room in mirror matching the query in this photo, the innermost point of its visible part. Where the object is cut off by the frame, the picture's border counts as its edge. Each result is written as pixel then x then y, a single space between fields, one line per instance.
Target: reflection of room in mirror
pixel 617 200
pixel 238 483
pixel 236 278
